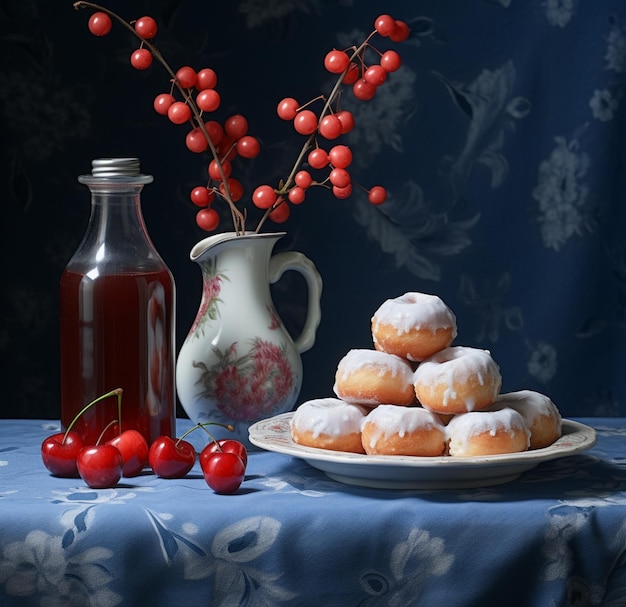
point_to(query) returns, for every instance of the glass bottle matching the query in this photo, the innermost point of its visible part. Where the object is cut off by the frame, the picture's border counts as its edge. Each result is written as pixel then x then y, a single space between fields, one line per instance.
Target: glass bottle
pixel 117 314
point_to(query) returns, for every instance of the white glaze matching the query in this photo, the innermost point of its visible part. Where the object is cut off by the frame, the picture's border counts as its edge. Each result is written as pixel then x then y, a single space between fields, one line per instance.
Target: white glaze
pixel 377 362
pixel 415 311
pixel 456 365
pixel 398 420
pixel 328 416
pixel 466 425
pixel 530 405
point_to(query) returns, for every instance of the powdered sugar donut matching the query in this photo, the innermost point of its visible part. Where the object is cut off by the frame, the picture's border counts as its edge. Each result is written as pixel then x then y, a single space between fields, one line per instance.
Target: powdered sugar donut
pixel 328 423
pixel 487 433
pixel 393 430
pixel 458 379
pixel 540 413
pixel 372 378
pixel 413 326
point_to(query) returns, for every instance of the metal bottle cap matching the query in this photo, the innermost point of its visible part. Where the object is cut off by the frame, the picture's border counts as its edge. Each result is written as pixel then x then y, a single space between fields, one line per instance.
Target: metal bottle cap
pixel 115 167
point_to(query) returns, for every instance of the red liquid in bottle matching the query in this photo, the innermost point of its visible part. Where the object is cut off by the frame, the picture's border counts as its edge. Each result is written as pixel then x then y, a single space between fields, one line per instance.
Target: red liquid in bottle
pixel 116 332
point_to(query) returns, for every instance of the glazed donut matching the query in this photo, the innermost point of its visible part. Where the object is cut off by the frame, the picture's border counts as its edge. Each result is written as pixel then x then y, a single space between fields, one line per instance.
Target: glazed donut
pixel 393 430
pixel 487 433
pixel 369 377
pixel 328 423
pixel 540 413
pixel 413 326
pixel 458 379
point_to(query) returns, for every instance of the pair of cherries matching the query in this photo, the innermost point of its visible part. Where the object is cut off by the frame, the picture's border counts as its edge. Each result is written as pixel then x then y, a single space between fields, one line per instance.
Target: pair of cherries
pixel 223 462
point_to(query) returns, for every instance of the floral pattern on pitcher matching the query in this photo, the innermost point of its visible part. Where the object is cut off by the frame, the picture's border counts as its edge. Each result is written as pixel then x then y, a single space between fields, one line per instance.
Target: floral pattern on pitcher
pixel 211 287
pixel 257 382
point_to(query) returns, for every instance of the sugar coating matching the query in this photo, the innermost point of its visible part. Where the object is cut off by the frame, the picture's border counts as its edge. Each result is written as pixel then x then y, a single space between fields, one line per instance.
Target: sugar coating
pixel 415 311
pixel 375 361
pixel 457 365
pixel 328 416
pixel 530 405
pixel 397 420
pixel 466 425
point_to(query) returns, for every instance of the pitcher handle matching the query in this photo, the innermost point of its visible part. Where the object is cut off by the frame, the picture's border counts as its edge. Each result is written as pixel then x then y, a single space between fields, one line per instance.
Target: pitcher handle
pixel 291 260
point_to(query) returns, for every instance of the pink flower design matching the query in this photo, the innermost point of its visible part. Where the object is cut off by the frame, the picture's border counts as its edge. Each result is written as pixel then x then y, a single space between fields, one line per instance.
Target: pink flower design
pixel 252 386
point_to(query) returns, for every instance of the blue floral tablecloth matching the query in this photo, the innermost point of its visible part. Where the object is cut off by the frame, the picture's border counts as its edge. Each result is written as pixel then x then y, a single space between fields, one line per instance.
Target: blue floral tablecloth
pixel 292 536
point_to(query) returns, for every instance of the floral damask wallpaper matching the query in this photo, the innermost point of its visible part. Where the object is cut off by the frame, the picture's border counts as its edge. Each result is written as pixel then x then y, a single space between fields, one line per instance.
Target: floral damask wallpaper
pixel 500 141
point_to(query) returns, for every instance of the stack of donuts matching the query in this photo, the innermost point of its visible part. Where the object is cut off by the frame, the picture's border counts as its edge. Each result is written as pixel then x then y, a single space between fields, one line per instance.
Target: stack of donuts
pixel 414 393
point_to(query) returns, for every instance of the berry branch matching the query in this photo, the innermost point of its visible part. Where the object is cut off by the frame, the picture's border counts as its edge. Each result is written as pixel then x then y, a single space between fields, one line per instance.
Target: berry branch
pixel 230 140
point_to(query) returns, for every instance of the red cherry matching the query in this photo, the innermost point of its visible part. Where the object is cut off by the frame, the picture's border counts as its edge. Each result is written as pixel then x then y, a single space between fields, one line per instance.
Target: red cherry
pixel 336 61
pixel 305 122
pixel 187 77
pixel 214 169
pixel 248 147
pixel 208 100
pixel 206 79
pixel 201 196
pixel 330 127
pixel 352 75
pixel 224 472
pixel 134 449
pixel 170 457
pixel 207 219
pixel 264 196
pixel 296 195
pixel 236 126
pixel 375 74
pixel 390 61
pixel 318 158
pixel 287 108
pixel 303 179
pixel 141 59
pixel 401 32
pixel 227 445
pixel 340 156
pixel 146 27
pixel 100 466
pixel 385 25
pixel 196 141
pixel 347 120
pixel 342 193
pixel 162 103
pixel 377 195
pixel 281 211
pixel 59 453
pixel 100 24
pixel 179 112
pixel 363 90
pixel 235 187
pixel 215 131
pixel 340 178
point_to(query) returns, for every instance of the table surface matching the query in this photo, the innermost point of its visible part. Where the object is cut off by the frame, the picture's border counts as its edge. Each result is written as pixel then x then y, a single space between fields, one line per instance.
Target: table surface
pixel 292 536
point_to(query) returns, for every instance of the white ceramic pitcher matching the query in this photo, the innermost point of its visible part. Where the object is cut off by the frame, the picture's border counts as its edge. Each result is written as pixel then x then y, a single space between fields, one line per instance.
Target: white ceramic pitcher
pixel 238 363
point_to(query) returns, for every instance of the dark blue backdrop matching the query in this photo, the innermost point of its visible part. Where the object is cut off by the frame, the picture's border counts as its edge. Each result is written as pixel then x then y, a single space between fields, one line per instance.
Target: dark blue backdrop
pixel 500 141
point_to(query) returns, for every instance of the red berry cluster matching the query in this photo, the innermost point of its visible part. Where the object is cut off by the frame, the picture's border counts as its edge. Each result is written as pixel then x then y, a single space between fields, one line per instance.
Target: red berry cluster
pixel 126 455
pixel 230 139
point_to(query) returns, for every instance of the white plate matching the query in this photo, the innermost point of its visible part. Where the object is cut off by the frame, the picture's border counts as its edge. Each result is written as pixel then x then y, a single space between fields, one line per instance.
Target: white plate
pixel 405 472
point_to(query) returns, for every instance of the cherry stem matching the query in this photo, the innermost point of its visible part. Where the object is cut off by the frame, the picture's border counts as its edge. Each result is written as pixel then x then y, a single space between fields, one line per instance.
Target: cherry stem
pixel 117 391
pixel 239 218
pixel 228 427
pixel 111 423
